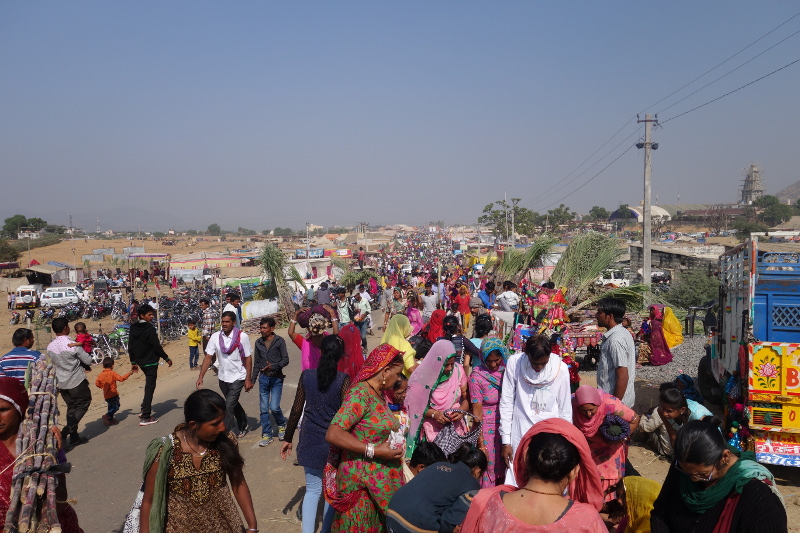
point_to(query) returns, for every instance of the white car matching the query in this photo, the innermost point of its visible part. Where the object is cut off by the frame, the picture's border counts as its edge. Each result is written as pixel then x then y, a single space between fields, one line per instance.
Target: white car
pixel 59 296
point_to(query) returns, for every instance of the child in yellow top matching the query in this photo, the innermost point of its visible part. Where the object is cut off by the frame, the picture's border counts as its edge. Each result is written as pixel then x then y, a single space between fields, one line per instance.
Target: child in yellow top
pixel 195 338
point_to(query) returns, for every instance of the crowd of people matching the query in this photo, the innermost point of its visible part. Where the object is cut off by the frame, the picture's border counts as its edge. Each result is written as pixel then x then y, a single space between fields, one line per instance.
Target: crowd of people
pixel 439 428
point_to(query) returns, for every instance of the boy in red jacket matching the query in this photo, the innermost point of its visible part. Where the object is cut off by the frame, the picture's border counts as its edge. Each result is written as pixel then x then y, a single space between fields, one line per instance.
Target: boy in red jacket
pixel 107 380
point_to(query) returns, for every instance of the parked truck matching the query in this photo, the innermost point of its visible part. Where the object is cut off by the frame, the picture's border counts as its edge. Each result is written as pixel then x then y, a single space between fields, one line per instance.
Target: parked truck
pixel 758 343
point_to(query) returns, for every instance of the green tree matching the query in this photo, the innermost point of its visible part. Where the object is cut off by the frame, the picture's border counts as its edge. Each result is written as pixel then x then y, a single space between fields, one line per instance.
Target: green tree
pixel 36 223
pixel 560 215
pixel 191 232
pixel 766 201
pixel 693 287
pixel 13 225
pixel 55 228
pixel 499 218
pixel 245 231
pixel 8 253
pixel 599 213
pixel 283 232
pixel 214 229
pixel 776 214
pixel 745 227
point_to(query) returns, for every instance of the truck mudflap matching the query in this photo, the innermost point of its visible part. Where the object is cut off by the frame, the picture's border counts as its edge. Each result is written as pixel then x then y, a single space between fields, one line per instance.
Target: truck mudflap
pixel 777 447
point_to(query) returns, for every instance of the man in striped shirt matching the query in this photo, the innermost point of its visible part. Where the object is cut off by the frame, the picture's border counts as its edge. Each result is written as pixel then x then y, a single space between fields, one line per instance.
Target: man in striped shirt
pixel 15 363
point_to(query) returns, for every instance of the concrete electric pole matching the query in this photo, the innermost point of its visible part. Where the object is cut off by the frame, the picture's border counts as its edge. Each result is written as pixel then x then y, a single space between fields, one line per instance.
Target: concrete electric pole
pixel 646 211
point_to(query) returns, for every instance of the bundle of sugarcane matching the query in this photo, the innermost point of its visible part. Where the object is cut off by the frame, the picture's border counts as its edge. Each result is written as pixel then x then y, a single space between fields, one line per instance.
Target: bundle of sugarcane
pixel 33 490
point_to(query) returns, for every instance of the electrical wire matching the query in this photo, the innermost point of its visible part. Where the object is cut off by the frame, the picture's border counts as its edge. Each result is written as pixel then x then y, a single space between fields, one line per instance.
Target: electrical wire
pixel 565 184
pixel 662 122
pixel 557 202
pixel 773 30
pixel 729 72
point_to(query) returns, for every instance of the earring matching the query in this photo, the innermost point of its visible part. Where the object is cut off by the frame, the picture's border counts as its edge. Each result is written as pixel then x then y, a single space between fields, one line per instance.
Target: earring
pixel 383 383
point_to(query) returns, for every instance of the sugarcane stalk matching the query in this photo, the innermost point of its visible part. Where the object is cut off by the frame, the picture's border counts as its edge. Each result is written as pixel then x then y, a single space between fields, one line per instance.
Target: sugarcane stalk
pixel 13 506
pixel 50 507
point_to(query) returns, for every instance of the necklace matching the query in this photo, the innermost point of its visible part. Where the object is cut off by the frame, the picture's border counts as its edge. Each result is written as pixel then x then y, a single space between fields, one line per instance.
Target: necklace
pixel 195 452
pixel 540 492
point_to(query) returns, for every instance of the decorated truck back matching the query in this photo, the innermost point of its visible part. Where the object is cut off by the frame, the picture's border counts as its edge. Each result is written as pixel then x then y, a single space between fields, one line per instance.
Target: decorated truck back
pixel 756 357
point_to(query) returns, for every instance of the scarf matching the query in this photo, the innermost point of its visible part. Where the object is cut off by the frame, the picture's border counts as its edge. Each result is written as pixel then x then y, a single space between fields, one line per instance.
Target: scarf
pixel 353 358
pixel 491 344
pixel 585 488
pixel 310 354
pixel 494 379
pixel 12 391
pixel 160 449
pixel 421 385
pixel 699 500
pixel 588 394
pixel 236 342
pixel 435 325
pixel 542 398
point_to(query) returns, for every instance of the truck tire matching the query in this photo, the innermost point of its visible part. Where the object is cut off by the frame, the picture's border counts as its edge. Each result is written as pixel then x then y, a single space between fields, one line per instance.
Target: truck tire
pixel 706 384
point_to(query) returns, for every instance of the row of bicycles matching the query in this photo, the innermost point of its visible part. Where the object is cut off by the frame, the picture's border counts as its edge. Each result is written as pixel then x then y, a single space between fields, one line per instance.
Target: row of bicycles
pixel 74 311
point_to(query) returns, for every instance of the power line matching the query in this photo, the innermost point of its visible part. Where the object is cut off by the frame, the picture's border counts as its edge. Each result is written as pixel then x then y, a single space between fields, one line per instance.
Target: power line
pixel 733 91
pixel 590 179
pixel 729 72
pixel 544 194
pixel 565 184
pixel 724 61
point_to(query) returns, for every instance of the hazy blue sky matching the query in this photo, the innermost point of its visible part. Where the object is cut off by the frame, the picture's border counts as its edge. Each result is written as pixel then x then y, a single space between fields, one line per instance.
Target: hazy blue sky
pixel 262 114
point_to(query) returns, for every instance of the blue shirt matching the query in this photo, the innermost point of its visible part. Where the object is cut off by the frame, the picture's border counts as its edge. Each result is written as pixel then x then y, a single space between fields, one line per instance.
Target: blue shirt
pixel 487 299
pixel 15 363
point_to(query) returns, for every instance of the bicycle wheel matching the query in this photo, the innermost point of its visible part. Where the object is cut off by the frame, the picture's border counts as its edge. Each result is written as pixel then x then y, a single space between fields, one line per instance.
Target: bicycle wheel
pixel 97 356
pixel 112 352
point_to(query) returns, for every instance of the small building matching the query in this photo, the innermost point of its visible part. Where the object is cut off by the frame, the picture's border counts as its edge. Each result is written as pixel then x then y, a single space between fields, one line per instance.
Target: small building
pixel 29 234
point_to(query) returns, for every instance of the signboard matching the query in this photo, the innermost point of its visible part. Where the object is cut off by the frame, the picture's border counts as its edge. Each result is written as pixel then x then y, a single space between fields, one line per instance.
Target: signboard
pixel 775 369
pixel 314 253
pixel 777 448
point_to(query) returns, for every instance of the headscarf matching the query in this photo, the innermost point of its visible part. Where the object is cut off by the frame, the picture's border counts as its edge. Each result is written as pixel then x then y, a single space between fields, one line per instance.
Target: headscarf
pixel 585 488
pixel 588 394
pixel 491 344
pixel 377 360
pixel 435 325
pixel 689 391
pixel 640 494
pixel 353 358
pixel 12 391
pixel 421 385
pixel 397 332
pixel 541 381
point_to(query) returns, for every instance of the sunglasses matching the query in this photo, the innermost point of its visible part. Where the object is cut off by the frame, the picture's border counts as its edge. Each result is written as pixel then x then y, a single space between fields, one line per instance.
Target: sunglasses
pixel 695 477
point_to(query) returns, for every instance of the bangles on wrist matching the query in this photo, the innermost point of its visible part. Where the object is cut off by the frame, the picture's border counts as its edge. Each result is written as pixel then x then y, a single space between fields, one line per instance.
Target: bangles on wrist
pixel 370 451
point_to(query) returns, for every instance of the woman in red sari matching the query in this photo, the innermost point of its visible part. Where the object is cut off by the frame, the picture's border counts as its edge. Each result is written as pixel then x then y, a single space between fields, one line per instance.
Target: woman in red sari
pixel 435 329
pixel 552 457
pixel 660 353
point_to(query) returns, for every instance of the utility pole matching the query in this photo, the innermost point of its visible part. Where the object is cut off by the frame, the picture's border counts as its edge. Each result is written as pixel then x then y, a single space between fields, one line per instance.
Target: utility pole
pixel 646 215
pixel 308 248
pixel 513 231
pixel 505 204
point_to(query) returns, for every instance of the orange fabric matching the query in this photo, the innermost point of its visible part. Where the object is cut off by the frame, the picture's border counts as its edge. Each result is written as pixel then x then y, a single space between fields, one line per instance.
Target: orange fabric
pixel 107 380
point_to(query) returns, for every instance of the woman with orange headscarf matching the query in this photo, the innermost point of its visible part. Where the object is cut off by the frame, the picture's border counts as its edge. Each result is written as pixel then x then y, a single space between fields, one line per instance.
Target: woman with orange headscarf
pixel 364 470
pixel 553 457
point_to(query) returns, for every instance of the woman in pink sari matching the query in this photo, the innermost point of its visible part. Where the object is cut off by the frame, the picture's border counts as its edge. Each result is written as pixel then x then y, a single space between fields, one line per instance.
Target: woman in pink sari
pixel 439 383
pixel 660 353
pixel 552 457
pixel 414 314
pixel 591 408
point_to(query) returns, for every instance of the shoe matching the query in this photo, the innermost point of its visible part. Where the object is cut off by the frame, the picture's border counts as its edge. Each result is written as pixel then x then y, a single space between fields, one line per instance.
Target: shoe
pixel 106 420
pixel 148 421
pixel 281 432
pixel 242 433
pixel 265 441
pixel 113 422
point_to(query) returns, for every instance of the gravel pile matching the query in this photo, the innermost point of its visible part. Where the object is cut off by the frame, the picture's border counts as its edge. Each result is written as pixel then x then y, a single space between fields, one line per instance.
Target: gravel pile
pixel 685 359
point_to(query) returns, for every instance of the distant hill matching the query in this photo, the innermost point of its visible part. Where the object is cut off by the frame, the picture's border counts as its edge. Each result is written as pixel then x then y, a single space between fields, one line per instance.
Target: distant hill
pixel 792 192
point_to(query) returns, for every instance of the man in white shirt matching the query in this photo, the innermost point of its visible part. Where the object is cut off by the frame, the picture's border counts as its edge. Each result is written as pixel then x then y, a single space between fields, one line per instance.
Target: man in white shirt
pixel 366 297
pixel 234 305
pixel 429 301
pixel 535 388
pixel 233 351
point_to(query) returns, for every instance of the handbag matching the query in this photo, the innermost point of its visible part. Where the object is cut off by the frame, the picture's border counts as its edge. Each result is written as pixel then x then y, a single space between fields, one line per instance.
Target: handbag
pixel 132 520
pixel 449 439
